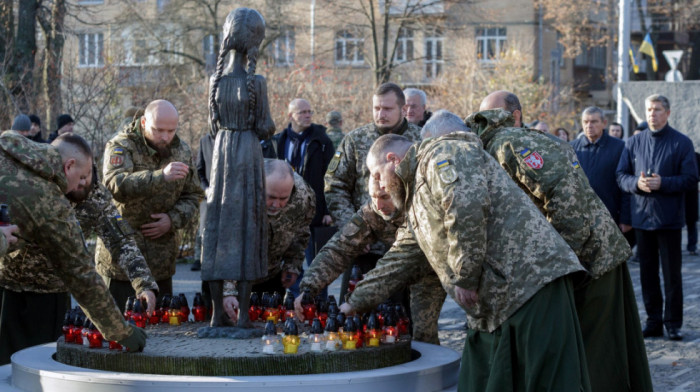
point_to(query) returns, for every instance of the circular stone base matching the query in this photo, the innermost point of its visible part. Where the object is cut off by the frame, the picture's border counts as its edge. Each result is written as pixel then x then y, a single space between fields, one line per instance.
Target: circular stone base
pixel 34 369
pixel 177 351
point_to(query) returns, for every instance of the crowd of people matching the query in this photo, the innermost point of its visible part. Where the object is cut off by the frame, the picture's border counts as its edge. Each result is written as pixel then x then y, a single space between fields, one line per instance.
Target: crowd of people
pixel 530 234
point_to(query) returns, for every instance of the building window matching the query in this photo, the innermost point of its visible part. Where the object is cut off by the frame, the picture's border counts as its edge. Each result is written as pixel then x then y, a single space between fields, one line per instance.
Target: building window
pixel 349 49
pixel 283 48
pixel 594 57
pixel 169 53
pixel 404 46
pixel 490 44
pixel 91 47
pixel 433 53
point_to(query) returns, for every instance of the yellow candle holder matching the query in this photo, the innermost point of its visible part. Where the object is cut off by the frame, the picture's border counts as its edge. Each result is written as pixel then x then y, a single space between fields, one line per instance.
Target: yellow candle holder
pixel 291 344
pixel 373 337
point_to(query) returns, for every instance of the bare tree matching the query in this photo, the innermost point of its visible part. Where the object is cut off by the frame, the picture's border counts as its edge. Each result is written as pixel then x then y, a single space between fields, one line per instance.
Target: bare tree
pixel 52 22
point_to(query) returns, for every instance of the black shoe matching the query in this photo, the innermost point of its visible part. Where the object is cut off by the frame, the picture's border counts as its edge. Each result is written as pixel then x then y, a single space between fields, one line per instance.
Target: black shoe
pixel 196 267
pixel 674 334
pixel 653 332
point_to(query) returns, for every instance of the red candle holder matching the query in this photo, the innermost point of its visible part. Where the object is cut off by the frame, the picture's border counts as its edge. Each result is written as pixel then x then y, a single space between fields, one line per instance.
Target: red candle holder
pixel 254 312
pixel 323 317
pixel 155 317
pixel 115 346
pixel 77 334
pixel 68 334
pixel 402 325
pixel 271 314
pixel 309 311
pixel 139 319
pixel 95 339
pixel 199 313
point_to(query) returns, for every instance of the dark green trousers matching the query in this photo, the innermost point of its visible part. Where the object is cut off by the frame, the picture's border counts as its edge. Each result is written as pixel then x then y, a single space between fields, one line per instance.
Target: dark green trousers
pixel 28 319
pixel 539 348
pixel 612 333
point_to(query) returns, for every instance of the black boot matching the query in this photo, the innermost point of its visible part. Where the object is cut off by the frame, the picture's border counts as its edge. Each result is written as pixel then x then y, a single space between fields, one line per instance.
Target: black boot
pixel 244 288
pixel 219 318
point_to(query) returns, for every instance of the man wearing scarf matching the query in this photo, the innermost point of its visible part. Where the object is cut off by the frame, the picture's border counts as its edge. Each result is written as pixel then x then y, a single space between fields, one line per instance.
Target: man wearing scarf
pixel 307 148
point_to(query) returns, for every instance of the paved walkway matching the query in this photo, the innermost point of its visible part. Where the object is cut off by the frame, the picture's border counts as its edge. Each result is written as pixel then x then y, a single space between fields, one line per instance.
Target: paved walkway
pixel 675 366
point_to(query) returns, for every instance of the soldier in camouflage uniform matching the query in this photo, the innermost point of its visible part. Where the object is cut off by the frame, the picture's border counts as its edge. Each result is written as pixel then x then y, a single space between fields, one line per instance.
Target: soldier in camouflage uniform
pixel 149 171
pixel 555 182
pixel 377 220
pixel 334 120
pixel 346 187
pixel 51 256
pixel 291 205
pixel 493 252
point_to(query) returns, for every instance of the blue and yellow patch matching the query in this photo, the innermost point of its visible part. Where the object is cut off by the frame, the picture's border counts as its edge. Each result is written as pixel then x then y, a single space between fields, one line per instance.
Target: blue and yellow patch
pixel 118 151
pixel 524 153
pixel 442 164
pixel 575 164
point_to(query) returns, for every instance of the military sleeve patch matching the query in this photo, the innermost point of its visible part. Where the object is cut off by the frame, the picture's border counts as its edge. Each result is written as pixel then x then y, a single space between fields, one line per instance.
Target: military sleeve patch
pixel 335 161
pixel 353 227
pixel 575 164
pixel 117 151
pixel 532 158
pixel 116 160
pixel 447 172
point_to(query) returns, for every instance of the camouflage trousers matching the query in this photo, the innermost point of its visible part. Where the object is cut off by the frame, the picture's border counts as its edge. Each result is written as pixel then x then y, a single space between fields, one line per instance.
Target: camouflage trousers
pixel 426 298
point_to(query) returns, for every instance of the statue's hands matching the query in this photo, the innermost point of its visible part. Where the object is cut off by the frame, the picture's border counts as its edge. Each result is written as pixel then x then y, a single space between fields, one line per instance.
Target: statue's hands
pixel 288 279
pixel 231 307
pixel 298 309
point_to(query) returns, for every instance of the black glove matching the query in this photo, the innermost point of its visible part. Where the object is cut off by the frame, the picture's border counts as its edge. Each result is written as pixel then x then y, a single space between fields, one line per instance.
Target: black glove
pixel 136 340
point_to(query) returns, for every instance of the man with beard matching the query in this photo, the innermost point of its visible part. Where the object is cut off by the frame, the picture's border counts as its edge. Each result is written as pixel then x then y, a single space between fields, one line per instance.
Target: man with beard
pixel 557 185
pixel 493 251
pixel 378 220
pixel 291 205
pixel 148 170
pixel 51 258
pixel 346 178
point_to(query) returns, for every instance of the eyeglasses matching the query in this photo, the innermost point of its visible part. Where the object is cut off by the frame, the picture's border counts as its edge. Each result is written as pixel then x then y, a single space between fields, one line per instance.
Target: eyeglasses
pixel 305 112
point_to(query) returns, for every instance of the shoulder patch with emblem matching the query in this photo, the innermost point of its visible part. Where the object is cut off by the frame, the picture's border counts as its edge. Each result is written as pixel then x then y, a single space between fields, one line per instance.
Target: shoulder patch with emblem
pixel 335 161
pixel 447 171
pixel 116 157
pixel 532 158
pixel 353 227
pixel 575 164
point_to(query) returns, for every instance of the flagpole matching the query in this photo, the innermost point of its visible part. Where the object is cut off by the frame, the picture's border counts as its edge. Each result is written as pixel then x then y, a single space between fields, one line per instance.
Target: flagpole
pixel 623 62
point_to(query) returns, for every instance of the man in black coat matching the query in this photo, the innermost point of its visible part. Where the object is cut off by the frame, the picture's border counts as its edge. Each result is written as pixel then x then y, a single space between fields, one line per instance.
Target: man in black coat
pixel 308 149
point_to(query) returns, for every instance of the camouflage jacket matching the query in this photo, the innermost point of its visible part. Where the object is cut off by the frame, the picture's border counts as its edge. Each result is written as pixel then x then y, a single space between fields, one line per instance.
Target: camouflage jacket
pixel 288 233
pixel 346 187
pixel 32 184
pixel 555 182
pixel 336 135
pixel 133 173
pixel 366 227
pixel 97 214
pixel 3 245
pixel 476 228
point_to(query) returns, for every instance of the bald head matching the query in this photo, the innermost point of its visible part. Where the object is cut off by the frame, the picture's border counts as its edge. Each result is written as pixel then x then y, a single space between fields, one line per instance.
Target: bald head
pixel 279 184
pixel 503 99
pixel 159 123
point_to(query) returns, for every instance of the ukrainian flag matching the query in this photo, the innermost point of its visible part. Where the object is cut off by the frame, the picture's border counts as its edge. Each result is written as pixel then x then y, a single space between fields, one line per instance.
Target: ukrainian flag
pixel 635 67
pixel 647 48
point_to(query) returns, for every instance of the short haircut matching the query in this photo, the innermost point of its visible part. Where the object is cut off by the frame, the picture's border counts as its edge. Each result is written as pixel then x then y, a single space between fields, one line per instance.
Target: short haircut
pixel 512 103
pixel 619 125
pixel 591 110
pixel 389 142
pixel 443 122
pixel 35 119
pixel 278 168
pixel 70 144
pixel 659 98
pixel 387 88
pixel 410 92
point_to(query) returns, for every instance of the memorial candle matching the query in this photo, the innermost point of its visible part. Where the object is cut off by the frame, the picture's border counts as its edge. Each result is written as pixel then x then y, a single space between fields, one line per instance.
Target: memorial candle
pixel 291 337
pixel 269 338
pixel 316 339
pixel 199 311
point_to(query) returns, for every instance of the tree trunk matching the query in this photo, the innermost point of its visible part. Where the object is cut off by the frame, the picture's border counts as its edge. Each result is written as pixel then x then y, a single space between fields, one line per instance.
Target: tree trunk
pixel 24 49
pixel 51 72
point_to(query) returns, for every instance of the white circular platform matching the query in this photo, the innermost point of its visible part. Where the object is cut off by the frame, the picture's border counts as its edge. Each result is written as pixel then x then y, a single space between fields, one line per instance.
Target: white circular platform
pixel 34 369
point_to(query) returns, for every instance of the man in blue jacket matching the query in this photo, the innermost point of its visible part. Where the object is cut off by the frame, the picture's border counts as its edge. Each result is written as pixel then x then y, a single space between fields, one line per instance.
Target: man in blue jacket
pixel 599 154
pixel 657 167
